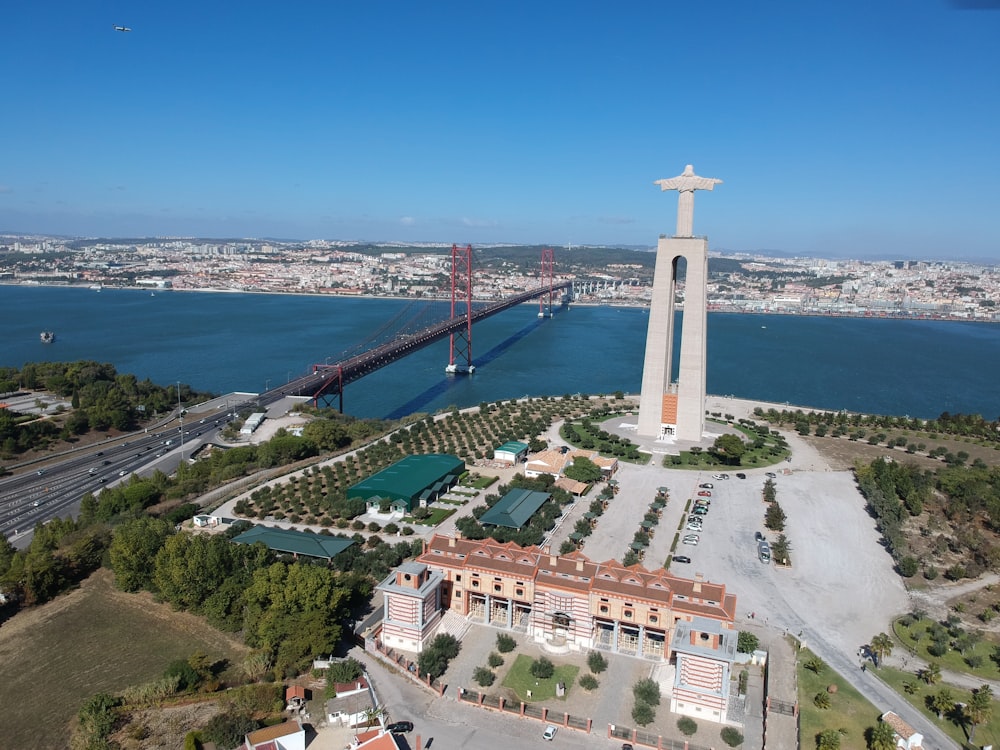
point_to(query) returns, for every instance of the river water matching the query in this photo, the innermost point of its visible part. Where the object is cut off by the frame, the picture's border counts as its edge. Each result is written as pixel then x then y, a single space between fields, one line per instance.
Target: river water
pixel 246 342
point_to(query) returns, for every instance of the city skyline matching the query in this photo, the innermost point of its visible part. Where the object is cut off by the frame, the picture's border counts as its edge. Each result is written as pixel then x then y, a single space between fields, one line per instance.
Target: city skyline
pixel 833 129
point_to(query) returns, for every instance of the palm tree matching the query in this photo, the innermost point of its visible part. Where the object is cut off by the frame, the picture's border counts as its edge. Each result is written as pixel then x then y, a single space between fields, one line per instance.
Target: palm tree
pixel 881 646
pixel 979 710
pixel 942 702
pixel 931 674
pixel 828 739
pixel 882 737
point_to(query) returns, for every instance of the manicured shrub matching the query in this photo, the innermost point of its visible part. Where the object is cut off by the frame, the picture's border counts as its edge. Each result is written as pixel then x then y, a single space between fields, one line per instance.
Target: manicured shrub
pixel 542 668
pixel 596 662
pixel 505 643
pixel 687 726
pixel 731 736
pixel 494 660
pixel 588 682
pixel 643 713
pixel 483 676
pixel 647 690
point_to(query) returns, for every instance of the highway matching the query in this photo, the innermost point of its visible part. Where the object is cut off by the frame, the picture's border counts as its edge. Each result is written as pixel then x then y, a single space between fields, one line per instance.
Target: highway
pixel 55 489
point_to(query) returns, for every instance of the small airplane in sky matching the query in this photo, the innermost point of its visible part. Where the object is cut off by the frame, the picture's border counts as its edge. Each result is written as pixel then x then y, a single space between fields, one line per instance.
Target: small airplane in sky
pixel 122 28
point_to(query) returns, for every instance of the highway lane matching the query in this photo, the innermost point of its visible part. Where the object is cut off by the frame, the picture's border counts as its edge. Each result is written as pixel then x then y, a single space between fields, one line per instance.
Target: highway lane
pixel 56 489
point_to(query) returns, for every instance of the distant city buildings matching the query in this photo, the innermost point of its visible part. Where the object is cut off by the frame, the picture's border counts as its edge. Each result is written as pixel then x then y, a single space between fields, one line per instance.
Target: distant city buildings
pixel 736 283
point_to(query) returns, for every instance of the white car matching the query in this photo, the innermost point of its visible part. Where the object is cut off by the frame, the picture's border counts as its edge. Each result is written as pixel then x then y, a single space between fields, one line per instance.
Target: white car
pixel 692 526
pixel 720 476
pixel 771 475
pixel 691 539
pixel 550 732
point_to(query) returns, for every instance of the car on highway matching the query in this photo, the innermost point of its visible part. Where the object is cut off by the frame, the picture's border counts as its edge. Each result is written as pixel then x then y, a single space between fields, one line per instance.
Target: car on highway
pixel 40 472
pixel 707 485
pixel 398 727
pixel 549 733
pixel 704 493
pixel 681 559
pixel 691 539
pixel 122 473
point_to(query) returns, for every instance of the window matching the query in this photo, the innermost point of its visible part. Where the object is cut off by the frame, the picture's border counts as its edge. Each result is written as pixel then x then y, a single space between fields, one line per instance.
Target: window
pixel 654 619
pixel 519 592
pixel 627 614
pixel 458 577
pixel 475 584
pixel 604 609
pixel 457 593
pixel 497 588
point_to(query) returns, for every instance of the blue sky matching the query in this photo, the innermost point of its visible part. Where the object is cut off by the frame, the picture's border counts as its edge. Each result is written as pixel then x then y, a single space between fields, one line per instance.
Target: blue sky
pixel 854 129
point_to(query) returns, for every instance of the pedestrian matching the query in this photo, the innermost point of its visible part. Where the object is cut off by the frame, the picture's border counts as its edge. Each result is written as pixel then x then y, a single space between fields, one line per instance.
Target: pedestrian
pixel 863 667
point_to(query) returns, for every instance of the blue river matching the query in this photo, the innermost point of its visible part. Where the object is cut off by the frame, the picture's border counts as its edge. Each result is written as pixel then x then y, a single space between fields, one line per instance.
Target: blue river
pixel 225 342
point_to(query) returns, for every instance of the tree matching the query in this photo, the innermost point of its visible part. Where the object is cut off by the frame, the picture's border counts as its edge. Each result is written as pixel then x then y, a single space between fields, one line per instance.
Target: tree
pixel 583 470
pixel 815 664
pixel 643 713
pixel 647 690
pixel 729 448
pixel 774 517
pixel 881 646
pixel 589 682
pixel 747 642
pixel 542 668
pixel 483 676
pixel 931 674
pixel 828 739
pixel 881 737
pixel 731 736
pixel 133 550
pixel 505 643
pixel 979 710
pixel 941 702
pixel 687 725
pixel 596 662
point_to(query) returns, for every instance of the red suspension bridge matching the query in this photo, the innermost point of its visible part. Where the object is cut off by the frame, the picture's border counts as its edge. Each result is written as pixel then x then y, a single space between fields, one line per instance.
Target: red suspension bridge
pixel 327 381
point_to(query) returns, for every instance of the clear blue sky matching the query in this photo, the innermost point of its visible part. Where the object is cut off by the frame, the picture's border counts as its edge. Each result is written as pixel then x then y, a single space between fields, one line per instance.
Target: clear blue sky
pixel 855 128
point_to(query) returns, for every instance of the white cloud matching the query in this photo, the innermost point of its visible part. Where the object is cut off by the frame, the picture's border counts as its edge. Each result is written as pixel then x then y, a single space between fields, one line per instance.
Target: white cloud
pixel 407 221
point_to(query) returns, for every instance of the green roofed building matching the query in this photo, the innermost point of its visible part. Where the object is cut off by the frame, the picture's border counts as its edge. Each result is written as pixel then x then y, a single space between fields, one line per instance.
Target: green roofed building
pixel 514 509
pixel 412 481
pixel 295 542
pixel 511 452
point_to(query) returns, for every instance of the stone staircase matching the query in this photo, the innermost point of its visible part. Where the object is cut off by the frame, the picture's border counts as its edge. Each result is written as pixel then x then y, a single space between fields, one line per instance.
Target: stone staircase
pixel 453 624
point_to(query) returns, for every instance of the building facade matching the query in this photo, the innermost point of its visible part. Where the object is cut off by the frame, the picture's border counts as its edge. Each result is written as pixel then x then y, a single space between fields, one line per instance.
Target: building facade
pixel 563 602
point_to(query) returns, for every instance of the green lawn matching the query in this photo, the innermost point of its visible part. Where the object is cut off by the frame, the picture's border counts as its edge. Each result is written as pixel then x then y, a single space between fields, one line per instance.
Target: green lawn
pixel 986 734
pixel 437 516
pixel 848 709
pixel 917 638
pixel 520 680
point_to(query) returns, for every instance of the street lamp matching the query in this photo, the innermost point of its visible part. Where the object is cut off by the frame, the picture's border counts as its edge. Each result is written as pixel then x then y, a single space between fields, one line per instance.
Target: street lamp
pixel 180 413
pixel 267 384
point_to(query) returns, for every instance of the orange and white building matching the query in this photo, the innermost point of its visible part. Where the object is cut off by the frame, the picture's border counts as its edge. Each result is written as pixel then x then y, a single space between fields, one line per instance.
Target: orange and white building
pixel 570 603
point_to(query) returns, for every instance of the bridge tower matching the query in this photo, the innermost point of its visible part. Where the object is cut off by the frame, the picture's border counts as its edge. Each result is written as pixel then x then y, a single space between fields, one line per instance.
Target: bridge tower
pixel 460 358
pixel 548 269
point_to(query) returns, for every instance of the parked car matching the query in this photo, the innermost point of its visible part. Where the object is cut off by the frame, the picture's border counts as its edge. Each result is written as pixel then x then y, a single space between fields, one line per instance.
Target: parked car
pixel 720 476
pixel 691 539
pixel 550 732
pixel 700 510
pixel 771 475
pixel 758 537
pixel 626 746
pixel 704 493
pixel 693 526
pixel 741 475
pixel 707 485
pixel 681 559
pixel 400 726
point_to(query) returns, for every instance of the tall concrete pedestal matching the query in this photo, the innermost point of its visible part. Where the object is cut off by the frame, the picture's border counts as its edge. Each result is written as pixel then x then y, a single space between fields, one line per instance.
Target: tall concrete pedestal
pixel 676 410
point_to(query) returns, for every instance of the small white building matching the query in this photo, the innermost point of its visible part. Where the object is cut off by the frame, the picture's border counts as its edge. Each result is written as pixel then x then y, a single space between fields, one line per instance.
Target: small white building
pixel 907 738
pixel 511 452
pixel 253 422
pixel 287 736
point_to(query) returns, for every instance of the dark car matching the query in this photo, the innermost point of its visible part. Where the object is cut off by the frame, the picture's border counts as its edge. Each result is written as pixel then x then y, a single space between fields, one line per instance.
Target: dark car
pixel 741 475
pixel 400 726
pixel 682 559
pixel 758 537
pixel 706 485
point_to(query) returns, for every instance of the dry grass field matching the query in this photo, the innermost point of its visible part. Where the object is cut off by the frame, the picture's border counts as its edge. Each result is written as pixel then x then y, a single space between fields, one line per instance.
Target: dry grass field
pixel 92 640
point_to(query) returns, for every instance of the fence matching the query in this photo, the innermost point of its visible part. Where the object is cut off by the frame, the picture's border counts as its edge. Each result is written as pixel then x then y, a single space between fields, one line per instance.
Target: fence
pixel 526 710
pixel 639 737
